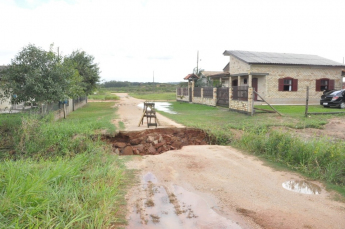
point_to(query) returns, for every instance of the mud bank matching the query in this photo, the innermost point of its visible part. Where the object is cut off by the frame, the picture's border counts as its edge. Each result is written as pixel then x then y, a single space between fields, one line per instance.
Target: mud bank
pixel 156 141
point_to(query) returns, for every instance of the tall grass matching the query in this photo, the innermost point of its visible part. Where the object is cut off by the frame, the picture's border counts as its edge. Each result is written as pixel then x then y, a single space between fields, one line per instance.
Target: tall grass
pixel 63 193
pixel 58 174
pixel 319 159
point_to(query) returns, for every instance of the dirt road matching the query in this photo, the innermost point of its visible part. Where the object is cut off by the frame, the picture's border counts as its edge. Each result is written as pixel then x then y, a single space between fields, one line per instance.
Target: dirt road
pixel 220 187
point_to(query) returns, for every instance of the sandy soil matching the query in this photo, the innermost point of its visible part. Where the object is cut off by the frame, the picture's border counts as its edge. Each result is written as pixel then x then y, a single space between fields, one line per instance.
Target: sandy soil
pixel 219 187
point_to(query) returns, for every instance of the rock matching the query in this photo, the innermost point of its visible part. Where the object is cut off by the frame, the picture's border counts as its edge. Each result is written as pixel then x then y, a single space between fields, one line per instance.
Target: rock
pixel 135 141
pixel 120 144
pixel 127 151
pixel 136 151
pixel 151 150
pixel 160 139
pixel 155 142
pixel 159 144
pixel 117 151
pixel 139 147
pixel 150 139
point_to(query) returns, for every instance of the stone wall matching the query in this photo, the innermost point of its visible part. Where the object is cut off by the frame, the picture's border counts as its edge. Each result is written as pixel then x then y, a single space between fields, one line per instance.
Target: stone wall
pixel 238 66
pixel 239 105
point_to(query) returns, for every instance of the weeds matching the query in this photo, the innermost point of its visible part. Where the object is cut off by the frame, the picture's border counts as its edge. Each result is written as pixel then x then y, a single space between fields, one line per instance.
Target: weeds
pixel 54 175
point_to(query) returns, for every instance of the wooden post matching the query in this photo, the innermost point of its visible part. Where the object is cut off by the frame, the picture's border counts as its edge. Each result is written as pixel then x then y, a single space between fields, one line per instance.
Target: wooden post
pixel 306 102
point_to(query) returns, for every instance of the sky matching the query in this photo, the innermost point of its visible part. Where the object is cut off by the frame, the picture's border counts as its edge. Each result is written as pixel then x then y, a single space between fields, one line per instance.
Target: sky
pixel 134 40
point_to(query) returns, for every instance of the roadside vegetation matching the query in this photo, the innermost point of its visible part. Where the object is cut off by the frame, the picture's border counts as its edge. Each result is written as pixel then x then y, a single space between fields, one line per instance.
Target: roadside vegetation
pixel 59 174
pixel 317 158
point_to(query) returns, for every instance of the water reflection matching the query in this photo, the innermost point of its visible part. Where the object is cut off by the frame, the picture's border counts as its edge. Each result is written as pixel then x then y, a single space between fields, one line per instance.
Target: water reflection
pixel 302 186
pixel 161 106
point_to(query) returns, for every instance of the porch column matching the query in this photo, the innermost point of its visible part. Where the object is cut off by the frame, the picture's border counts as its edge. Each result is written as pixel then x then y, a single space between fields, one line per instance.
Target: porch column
pixel 249 79
pixel 238 80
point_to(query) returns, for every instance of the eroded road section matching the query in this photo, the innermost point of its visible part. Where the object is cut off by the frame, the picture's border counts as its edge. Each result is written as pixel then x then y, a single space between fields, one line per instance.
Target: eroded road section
pixel 199 186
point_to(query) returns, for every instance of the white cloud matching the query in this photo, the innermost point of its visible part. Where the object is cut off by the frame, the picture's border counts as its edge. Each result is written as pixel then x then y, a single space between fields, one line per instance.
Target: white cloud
pixel 131 39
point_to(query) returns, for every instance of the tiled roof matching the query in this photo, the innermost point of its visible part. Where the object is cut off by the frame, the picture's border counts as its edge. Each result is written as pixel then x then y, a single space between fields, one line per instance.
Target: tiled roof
pixel 280 58
pixel 191 76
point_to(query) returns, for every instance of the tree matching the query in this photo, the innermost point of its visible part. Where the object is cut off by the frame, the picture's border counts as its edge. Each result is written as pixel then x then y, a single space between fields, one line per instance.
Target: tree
pixel 87 69
pixel 40 76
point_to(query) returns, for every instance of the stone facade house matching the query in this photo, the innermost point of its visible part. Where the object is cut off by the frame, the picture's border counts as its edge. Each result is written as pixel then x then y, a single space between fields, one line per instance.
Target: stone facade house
pixel 282 78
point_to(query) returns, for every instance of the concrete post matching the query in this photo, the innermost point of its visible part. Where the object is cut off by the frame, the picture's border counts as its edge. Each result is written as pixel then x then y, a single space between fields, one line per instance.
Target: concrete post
pixel 249 80
pixel 238 80
pixel 230 96
pixel 215 96
pixel 193 90
pixel 250 100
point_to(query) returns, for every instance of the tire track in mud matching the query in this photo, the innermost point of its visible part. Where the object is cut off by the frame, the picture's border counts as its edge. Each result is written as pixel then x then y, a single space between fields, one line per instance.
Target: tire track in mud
pixel 172 207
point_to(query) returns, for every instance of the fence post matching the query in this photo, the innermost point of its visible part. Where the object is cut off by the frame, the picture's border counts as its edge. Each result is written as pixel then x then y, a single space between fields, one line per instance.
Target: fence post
pixel 306 102
pixel 215 96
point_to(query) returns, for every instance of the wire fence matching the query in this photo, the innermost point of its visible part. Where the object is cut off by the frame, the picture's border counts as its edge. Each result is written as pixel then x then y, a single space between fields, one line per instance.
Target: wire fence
pixel 208 92
pixel 240 93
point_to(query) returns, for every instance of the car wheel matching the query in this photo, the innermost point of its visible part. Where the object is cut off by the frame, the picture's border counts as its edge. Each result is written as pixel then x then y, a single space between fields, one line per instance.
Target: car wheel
pixel 342 105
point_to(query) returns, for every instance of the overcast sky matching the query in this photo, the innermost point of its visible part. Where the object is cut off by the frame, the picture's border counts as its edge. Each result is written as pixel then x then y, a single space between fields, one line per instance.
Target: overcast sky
pixel 131 39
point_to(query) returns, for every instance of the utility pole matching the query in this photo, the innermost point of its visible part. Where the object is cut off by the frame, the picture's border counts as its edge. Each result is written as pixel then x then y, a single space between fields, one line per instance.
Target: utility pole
pixel 197 63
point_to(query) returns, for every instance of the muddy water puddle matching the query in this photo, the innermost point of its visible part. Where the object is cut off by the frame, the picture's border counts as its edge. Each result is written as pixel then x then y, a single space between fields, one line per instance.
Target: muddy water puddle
pixel 173 207
pixel 302 186
pixel 161 106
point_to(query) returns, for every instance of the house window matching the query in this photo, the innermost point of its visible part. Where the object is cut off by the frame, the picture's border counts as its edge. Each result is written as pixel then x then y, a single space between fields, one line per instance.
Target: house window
pixel 287 84
pixel 324 84
pixel 245 81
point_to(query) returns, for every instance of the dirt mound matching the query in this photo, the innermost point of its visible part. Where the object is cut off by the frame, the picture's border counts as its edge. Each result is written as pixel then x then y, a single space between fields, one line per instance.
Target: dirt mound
pixel 155 141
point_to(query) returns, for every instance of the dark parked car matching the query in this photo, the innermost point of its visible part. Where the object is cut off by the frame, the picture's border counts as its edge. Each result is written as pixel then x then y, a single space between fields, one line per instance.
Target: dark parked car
pixel 333 98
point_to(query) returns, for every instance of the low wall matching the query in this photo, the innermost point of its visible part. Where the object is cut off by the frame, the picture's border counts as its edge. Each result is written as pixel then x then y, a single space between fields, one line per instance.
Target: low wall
pixel 205 101
pixel 238 105
pixel 70 107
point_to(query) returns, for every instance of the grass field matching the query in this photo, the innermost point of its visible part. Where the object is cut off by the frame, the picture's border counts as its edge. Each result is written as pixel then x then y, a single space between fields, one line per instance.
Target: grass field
pixel 155 96
pixel 316 158
pixel 54 175
pixel 103 95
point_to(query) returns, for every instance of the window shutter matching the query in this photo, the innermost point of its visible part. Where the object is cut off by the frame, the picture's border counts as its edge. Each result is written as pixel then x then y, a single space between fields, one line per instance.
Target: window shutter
pixel 318 85
pixel 331 84
pixel 294 84
pixel 281 85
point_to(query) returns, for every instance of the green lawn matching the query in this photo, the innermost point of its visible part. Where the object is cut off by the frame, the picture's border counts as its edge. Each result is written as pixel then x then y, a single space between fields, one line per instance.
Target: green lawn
pixel 54 175
pixel 298 110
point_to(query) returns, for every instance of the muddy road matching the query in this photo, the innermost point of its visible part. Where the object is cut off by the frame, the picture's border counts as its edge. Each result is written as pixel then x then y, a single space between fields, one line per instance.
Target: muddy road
pixel 209 186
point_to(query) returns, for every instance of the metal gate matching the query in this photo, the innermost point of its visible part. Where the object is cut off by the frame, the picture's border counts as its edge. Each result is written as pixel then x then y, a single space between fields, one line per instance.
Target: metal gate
pixel 223 96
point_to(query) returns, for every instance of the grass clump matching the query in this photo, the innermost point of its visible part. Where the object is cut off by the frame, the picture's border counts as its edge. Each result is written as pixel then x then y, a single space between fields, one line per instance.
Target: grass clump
pixel 61 193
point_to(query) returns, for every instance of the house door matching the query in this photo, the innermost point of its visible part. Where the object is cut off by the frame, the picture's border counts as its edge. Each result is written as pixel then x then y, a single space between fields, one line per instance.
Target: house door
pixel 234 83
pixel 255 86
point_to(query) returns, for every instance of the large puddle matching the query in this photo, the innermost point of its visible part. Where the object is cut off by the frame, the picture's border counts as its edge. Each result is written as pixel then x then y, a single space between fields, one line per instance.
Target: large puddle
pixel 161 106
pixel 173 207
pixel 301 186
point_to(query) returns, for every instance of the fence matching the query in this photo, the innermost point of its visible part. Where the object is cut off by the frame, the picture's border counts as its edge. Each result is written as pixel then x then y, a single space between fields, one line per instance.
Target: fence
pixel 223 96
pixel 208 92
pixel 197 92
pixel 240 93
pixel 182 91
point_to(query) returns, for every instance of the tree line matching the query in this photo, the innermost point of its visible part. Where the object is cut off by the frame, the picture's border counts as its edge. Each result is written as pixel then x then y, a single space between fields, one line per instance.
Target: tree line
pixel 43 76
